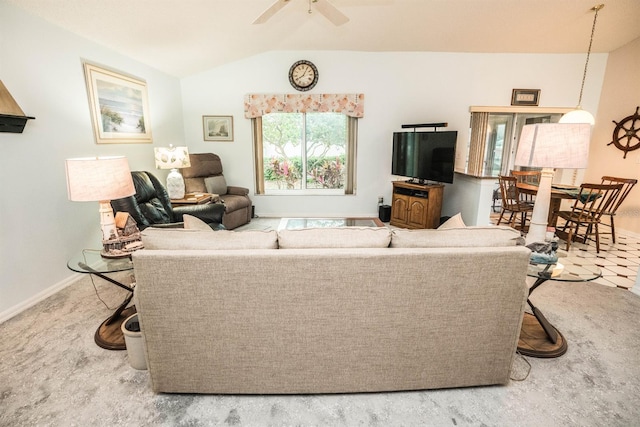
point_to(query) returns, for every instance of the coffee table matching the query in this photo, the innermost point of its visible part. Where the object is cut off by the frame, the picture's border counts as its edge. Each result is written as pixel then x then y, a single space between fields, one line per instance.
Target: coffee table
pixel 299 223
pixel 89 261
pixel 538 337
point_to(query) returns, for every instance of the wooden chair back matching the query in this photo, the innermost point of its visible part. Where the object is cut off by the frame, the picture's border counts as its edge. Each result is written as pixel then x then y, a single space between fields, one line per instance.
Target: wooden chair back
pixel 627 185
pixel 594 200
pixel 527 177
pixel 509 191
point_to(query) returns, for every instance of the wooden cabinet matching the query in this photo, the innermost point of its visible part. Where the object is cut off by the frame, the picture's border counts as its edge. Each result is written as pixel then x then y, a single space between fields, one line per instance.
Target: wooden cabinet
pixel 416 205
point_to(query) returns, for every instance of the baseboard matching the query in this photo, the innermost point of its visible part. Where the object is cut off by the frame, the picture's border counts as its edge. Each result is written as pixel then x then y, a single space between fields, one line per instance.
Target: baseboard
pixel 40 296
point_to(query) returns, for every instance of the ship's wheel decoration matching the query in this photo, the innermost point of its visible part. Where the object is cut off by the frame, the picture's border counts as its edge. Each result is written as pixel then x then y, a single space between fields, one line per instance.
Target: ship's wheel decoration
pixel 626 135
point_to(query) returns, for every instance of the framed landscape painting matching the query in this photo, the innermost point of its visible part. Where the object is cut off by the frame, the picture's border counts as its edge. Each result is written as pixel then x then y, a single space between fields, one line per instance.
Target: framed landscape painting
pixel 217 128
pixel 119 106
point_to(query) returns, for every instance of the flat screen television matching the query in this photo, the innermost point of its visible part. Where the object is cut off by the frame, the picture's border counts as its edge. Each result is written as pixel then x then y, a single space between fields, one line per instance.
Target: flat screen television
pixel 424 156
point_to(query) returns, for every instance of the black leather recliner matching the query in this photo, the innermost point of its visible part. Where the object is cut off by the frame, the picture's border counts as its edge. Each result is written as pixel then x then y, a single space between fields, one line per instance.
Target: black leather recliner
pixel 151 206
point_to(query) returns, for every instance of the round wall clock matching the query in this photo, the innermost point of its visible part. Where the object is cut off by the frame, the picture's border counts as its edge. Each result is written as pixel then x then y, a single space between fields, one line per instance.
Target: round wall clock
pixel 303 75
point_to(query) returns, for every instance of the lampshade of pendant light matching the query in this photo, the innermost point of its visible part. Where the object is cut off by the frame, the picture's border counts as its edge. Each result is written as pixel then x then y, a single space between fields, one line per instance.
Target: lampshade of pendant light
pixel 579 115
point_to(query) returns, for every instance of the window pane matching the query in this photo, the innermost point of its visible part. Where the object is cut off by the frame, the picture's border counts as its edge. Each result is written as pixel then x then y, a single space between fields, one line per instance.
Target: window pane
pixel 282 135
pixel 326 140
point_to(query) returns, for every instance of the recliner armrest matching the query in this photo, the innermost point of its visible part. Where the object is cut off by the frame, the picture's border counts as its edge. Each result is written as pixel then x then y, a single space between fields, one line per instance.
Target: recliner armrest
pixel 210 213
pixel 237 191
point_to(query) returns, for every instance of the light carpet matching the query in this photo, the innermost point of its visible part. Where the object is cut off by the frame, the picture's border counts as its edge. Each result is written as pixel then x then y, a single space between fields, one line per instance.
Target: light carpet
pixel 52 374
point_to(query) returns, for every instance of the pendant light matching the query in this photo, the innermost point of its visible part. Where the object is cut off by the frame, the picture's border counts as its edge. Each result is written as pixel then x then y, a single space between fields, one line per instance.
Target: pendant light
pixel 579 115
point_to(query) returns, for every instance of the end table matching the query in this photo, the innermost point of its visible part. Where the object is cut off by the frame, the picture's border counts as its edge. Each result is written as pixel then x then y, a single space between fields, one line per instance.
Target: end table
pixel 538 337
pixel 89 261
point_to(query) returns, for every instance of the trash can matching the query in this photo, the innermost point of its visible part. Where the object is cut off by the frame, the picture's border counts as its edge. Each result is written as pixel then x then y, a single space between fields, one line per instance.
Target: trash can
pixel 384 213
pixel 133 340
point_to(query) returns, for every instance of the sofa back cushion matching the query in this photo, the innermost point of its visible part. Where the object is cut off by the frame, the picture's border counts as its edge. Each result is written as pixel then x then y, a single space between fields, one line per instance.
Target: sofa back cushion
pixel 156 238
pixel 495 236
pixel 338 237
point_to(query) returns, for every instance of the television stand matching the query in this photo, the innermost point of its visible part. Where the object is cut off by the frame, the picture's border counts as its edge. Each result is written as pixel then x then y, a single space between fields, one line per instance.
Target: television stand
pixel 416 205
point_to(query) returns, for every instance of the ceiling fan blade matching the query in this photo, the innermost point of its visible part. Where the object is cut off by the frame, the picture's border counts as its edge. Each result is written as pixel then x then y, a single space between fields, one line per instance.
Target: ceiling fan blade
pixel 272 10
pixel 331 12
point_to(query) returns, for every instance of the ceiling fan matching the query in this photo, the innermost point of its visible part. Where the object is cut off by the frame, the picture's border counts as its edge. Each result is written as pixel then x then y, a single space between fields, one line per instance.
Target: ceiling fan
pixel 323 6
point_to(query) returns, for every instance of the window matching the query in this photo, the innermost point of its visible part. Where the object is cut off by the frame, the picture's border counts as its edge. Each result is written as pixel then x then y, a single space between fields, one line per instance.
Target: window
pixel 308 153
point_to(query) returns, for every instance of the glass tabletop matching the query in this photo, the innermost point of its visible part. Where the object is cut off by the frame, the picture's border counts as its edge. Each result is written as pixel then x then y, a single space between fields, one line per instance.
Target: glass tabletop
pixel 566 270
pixel 90 261
pixel 300 223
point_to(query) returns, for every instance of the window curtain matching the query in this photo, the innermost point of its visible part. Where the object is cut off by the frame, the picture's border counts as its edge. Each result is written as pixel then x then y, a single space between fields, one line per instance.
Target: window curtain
pixel 477 143
pixel 257 105
pixel 352 138
pixel 352 105
pixel 258 150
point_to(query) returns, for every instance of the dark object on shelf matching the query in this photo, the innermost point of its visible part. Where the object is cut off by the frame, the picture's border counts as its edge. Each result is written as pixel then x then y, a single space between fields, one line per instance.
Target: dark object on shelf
pixel 12 118
pixel 426 125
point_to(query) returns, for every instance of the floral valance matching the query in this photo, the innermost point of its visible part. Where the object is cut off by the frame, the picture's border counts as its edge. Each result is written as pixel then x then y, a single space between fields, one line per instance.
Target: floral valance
pixel 351 104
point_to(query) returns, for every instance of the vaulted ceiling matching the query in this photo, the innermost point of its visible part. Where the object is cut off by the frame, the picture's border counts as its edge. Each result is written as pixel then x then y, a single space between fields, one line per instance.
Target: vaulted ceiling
pixel 184 37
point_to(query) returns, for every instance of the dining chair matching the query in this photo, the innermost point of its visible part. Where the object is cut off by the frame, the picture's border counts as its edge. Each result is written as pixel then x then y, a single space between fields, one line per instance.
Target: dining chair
pixel 591 203
pixel 527 177
pixel 512 202
pixel 627 185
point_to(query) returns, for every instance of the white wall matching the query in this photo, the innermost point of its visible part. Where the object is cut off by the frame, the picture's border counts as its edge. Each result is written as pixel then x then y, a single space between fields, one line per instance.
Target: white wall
pixel 620 97
pixel 41 65
pixel 399 88
pixel 40 229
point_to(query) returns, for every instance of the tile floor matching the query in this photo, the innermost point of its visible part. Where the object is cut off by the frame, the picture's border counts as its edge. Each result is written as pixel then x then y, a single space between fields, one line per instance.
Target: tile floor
pixel 618 261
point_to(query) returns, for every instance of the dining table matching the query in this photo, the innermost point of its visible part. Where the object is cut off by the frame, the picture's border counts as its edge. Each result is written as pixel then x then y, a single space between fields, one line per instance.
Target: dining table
pixel 559 192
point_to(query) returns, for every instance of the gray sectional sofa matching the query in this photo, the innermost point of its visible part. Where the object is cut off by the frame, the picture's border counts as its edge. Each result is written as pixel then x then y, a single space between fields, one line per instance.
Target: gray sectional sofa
pixel 329 310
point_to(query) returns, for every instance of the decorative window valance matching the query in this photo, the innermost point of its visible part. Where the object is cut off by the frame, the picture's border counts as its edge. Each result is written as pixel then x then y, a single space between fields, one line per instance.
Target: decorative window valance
pixel 351 104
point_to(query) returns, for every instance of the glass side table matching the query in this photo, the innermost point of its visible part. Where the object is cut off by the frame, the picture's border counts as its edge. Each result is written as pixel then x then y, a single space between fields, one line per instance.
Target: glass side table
pixel 538 337
pixel 89 261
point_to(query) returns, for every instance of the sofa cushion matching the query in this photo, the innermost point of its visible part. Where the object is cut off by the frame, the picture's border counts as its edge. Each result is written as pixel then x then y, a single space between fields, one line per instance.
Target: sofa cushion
pixel 457 237
pixel 157 238
pixel 216 185
pixel 338 237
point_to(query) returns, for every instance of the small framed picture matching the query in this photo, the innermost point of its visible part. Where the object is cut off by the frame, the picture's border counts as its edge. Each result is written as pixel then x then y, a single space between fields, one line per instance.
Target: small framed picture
pixel 525 96
pixel 218 128
pixel 119 106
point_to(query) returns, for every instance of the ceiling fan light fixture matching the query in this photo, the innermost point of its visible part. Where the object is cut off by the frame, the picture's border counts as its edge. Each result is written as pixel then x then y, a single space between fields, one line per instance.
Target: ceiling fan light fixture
pixel 579 115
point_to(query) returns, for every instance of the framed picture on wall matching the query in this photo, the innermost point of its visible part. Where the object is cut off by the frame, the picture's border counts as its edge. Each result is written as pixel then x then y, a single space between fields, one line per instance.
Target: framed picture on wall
pixel 119 106
pixel 217 128
pixel 525 96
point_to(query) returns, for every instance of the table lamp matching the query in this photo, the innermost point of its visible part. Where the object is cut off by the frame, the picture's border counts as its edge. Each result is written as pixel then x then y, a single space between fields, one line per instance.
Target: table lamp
pixel 100 179
pixel 173 158
pixel 550 146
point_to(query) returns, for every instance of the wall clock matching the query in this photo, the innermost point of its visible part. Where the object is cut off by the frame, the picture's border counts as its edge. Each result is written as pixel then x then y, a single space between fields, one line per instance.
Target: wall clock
pixel 626 135
pixel 303 75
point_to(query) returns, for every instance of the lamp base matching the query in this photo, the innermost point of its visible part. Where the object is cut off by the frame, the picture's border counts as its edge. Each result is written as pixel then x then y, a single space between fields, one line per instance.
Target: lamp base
pixel 175 184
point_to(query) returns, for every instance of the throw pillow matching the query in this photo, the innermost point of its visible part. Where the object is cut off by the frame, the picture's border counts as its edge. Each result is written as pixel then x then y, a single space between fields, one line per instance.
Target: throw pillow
pixel 453 222
pixel 216 185
pixel 469 237
pixel 193 223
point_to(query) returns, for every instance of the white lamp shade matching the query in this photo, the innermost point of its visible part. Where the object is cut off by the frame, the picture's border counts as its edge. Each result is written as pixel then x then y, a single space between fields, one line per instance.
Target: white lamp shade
pixel 554 145
pixel 99 178
pixel 172 157
pixel 578 116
